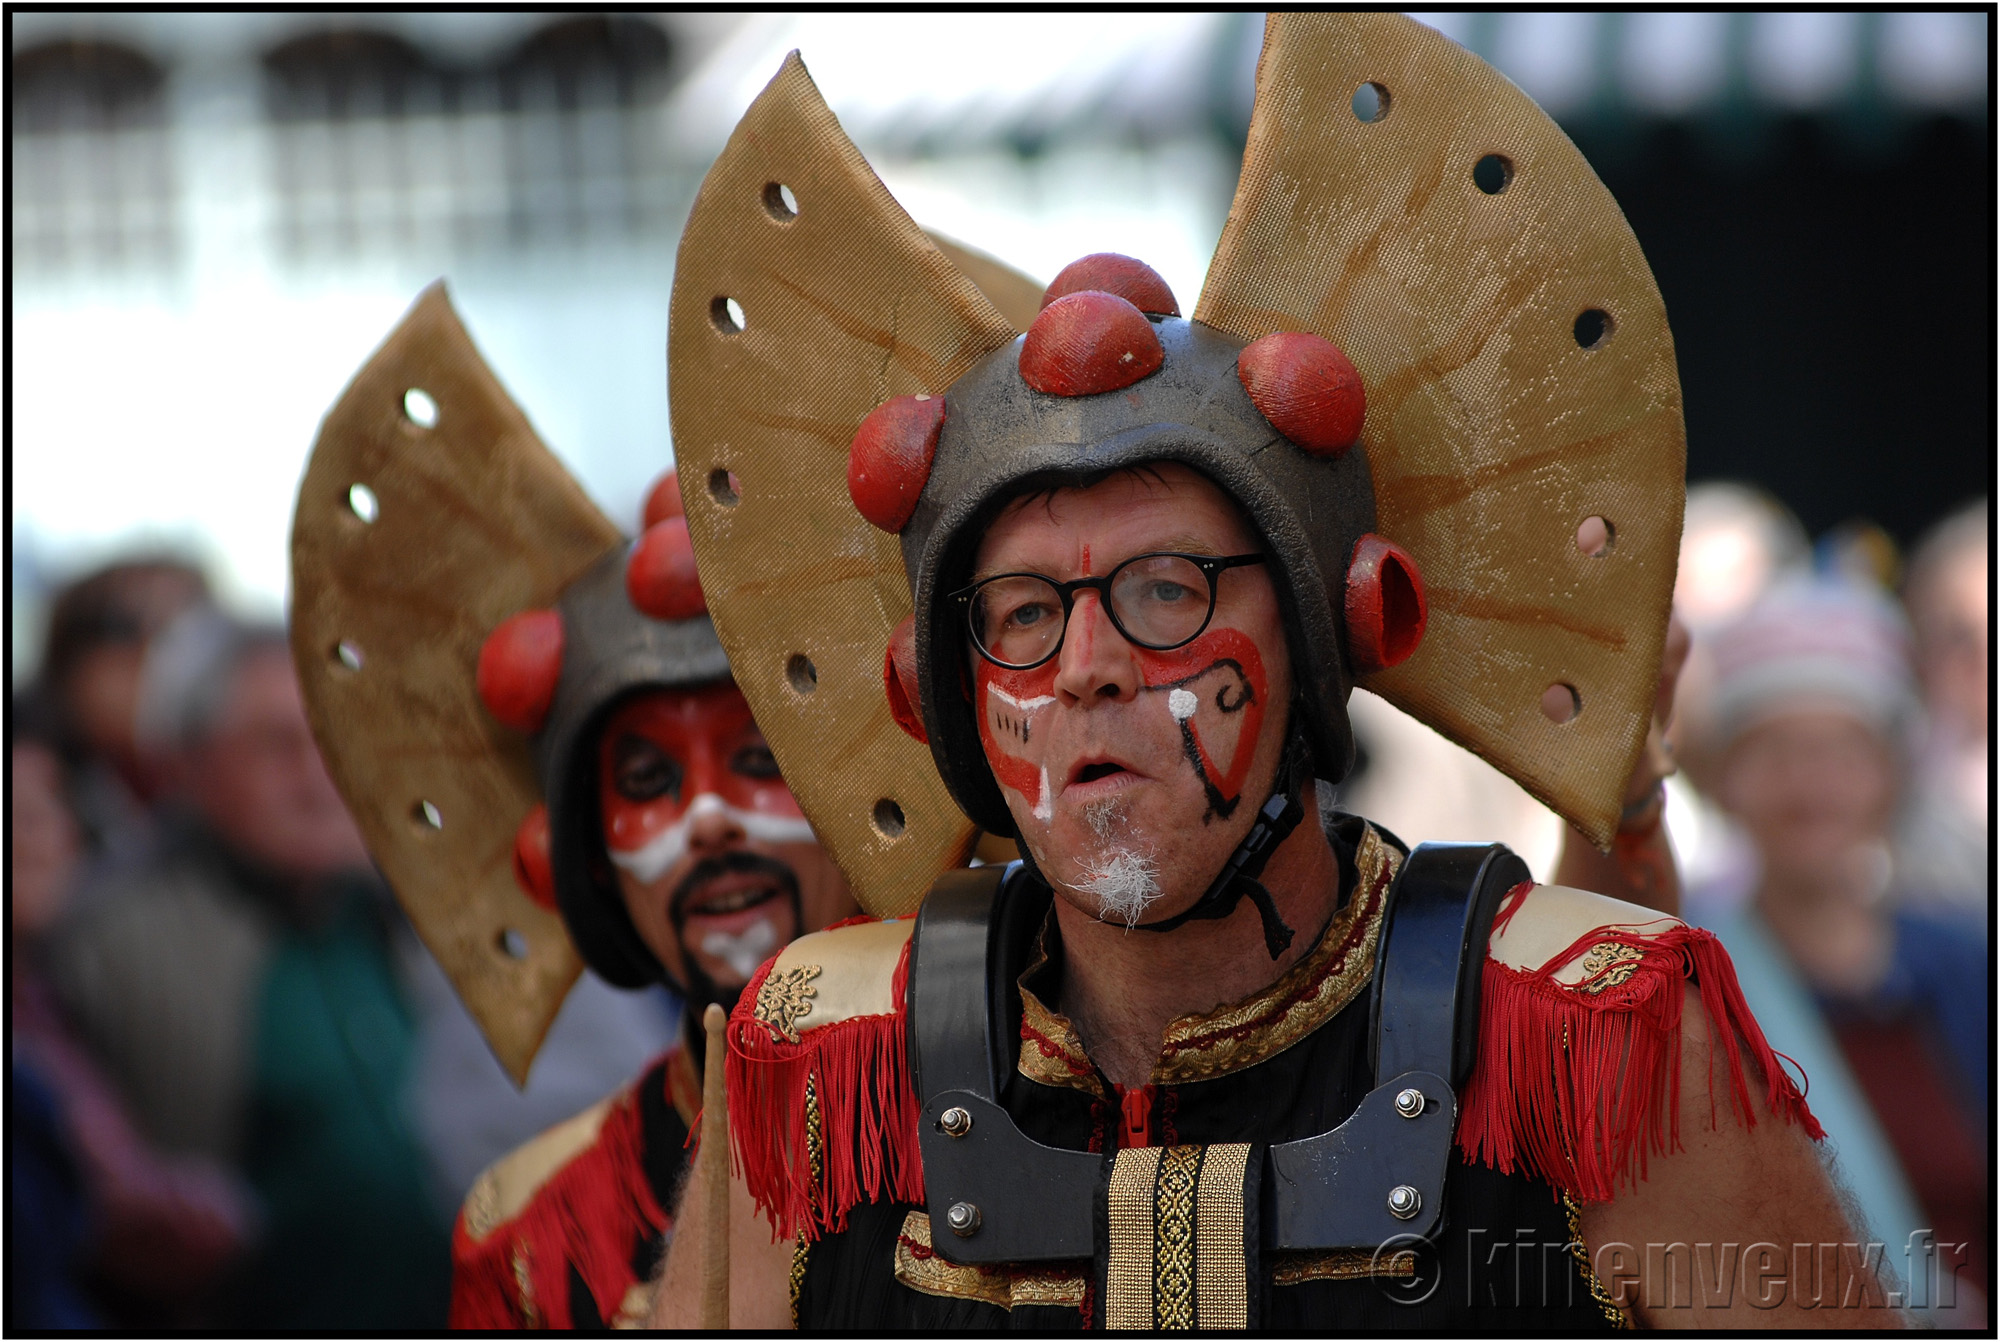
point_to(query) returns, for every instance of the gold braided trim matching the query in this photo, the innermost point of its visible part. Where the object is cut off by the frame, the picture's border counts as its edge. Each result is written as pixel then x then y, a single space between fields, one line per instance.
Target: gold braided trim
pixel 524 1285
pixel 1128 1269
pixel 814 1164
pixel 920 1268
pixel 1296 1269
pixel 1608 964
pixel 1241 1034
pixel 1223 1295
pixel 1612 1311
pixel 1051 1050
pixel 1176 1258
pixel 1305 997
pixel 1173 1238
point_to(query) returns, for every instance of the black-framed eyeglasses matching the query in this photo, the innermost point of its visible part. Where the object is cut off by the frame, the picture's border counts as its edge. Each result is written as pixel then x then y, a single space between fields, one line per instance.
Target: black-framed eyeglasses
pixel 1159 600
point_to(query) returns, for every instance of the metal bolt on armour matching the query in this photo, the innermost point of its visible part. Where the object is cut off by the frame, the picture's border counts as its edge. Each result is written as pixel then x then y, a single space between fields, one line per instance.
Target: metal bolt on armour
pixel 955 1122
pixel 1409 1103
pixel 1404 1202
pixel 963 1218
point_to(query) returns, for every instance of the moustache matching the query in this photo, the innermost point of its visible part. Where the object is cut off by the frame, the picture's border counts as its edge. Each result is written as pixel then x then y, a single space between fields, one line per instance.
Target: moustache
pixel 731 864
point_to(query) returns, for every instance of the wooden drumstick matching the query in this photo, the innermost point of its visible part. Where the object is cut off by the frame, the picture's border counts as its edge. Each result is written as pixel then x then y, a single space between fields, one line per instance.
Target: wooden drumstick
pixel 715 1175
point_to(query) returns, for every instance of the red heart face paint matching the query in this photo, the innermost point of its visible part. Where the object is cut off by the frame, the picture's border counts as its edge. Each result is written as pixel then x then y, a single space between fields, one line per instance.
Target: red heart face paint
pixel 1213 690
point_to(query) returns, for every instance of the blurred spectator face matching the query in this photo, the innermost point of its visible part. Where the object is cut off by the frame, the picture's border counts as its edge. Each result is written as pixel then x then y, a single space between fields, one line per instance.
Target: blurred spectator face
pixel 1810 785
pixel 98 633
pixel 257 778
pixel 1948 606
pixel 46 843
pixel 1735 541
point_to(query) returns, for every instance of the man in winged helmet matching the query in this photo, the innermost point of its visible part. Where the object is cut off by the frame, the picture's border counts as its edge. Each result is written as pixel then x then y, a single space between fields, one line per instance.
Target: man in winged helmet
pixel 1212 1054
pixel 536 727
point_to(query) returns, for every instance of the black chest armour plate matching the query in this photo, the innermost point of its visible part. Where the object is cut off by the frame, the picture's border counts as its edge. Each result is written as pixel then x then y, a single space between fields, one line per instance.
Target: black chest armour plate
pixel 1378 1175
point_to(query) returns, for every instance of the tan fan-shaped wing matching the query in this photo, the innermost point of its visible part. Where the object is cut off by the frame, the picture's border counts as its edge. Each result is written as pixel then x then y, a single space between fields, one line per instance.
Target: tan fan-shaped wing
pixel 1492 434
pixel 472 521
pixel 844 304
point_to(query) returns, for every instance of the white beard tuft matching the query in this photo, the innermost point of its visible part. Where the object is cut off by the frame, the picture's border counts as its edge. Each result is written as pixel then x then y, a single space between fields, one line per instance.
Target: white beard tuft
pixel 1125 886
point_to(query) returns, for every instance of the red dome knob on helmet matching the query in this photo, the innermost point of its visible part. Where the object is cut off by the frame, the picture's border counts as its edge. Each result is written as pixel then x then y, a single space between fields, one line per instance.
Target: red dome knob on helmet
pixel 1307 388
pixel 1108 272
pixel 533 870
pixel 1089 342
pixel 519 664
pixel 660 575
pixel 1385 605
pixel 663 500
pixel 890 458
pixel 899 680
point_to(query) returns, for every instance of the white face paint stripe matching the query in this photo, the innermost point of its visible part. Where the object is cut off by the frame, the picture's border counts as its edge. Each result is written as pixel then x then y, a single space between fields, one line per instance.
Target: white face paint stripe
pixel 664 851
pixel 743 951
pixel 1023 705
pixel 1046 807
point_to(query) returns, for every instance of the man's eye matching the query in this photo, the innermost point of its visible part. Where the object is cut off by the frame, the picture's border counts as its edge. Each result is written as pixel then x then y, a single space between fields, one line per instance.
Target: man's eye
pixel 1166 593
pixel 1026 617
pixel 641 771
pixel 755 762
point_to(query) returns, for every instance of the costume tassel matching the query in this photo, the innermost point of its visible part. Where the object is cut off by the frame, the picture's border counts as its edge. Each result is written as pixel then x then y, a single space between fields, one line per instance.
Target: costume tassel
pixel 520 1270
pixel 1581 1084
pixel 846 1129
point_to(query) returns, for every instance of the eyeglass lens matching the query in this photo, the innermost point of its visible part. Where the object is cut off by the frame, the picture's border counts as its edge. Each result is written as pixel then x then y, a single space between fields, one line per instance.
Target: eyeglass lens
pixel 1157 601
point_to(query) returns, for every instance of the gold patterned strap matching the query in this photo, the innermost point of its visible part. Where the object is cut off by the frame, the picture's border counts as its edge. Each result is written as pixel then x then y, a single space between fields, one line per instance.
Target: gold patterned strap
pixel 1178 1254
pixel 920 1268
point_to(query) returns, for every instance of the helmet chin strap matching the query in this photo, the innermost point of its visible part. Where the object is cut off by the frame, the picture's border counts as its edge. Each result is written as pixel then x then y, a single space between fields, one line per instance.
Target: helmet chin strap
pixel 1276 820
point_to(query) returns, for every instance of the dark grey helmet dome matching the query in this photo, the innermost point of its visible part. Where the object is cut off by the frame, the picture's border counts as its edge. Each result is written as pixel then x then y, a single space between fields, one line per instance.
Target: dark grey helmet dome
pixel 1002 439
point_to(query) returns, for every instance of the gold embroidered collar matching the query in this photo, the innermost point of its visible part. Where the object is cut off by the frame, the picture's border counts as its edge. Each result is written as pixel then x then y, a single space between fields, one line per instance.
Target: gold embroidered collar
pixel 1240 1034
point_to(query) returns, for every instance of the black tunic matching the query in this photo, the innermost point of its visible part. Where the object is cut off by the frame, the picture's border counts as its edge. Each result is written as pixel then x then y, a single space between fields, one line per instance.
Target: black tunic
pixel 1274 1068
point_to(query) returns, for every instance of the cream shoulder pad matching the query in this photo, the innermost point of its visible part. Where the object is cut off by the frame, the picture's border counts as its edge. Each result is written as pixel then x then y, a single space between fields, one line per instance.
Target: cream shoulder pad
pixel 827 977
pixel 510 1183
pixel 1551 919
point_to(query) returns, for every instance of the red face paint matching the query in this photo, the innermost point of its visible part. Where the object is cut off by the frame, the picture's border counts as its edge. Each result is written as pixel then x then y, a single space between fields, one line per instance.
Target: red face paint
pixel 1225 673
pixel 1221 673
pixel 1007 702
pixel 663 748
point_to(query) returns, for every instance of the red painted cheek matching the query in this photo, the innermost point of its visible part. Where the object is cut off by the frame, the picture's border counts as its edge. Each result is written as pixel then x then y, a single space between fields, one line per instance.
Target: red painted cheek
pixel 1003 751
pixel 763 796
pixel 1209 653
pixel 630 825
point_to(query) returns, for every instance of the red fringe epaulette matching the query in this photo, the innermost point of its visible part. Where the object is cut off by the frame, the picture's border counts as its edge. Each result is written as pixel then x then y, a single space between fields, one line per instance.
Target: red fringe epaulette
pixel 828 1122
pixel 588 1216
pixel 1580 1084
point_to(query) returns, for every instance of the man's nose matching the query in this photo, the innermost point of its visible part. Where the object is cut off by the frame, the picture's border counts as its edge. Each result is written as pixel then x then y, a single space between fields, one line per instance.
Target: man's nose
pixel 1096 661
pixel 711 827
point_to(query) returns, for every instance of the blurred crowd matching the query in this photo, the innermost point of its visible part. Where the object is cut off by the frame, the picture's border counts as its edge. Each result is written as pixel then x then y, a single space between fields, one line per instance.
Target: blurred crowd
pixel 243 1096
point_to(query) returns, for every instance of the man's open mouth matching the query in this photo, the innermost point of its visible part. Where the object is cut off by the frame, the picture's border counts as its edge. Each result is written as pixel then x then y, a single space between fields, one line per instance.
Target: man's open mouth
pixel 730 894
pixel 730 885
pixel 1098 778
